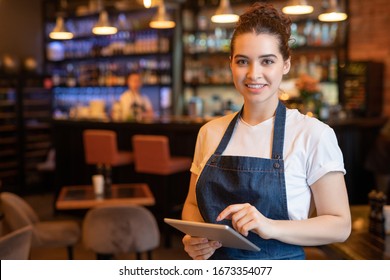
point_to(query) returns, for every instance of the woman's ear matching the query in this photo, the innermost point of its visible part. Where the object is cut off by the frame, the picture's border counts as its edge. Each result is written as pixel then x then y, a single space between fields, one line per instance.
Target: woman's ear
pixel 287 66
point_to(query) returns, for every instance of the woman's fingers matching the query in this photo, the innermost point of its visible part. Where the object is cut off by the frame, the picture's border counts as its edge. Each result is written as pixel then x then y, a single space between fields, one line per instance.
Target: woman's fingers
pixel 229 211
pixel 200 248
pixel 244 217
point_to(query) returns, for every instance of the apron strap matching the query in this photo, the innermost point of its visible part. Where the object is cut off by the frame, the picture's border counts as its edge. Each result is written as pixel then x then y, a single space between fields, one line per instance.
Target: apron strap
pixel 228 133
pixel 279 129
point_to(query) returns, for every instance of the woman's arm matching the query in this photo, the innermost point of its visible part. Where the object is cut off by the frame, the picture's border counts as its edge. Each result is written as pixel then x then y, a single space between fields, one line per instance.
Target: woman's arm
pixel 198 248
pixel 190 209
pixel 332 223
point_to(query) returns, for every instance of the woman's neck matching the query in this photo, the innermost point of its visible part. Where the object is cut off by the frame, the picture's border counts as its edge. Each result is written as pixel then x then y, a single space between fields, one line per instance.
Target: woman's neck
pixel 254 114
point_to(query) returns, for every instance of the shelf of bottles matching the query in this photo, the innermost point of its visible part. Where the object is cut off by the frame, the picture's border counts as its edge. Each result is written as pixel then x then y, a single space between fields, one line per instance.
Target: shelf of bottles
pixel 91 66
pixel 199 46
pixel 317 49
pixel 9 144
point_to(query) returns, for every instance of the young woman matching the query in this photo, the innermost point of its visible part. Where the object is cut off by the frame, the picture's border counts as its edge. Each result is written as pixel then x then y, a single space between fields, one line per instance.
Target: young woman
pixel 258 170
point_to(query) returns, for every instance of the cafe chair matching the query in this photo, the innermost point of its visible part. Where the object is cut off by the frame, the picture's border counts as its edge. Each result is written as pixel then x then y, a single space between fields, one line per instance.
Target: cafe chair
pixel 152 156
pixel 120 229
pixel 16 244
pixel 18 214
pixel 100 148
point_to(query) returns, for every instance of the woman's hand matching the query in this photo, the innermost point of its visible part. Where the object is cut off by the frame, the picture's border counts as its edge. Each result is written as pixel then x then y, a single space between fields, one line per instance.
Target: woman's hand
pixel 199 248
pixel 245 218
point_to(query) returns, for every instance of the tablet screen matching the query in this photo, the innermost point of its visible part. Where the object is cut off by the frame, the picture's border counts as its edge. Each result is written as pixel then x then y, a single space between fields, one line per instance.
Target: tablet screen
pixel 222 233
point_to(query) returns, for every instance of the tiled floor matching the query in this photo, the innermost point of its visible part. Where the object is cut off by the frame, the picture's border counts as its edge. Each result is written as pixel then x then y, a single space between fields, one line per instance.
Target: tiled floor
pixel 43 204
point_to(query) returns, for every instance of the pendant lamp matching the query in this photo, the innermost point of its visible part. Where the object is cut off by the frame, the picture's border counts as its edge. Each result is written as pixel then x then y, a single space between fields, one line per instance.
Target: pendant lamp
pixel 224 13
pixel 333 13
pixel 297 7
pixel 162 20
pixel 147 3
pixel 59 31
pixel 103 26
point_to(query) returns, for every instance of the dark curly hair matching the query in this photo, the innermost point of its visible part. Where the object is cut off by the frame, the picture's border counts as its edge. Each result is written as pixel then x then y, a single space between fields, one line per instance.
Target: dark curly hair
pixel 263 18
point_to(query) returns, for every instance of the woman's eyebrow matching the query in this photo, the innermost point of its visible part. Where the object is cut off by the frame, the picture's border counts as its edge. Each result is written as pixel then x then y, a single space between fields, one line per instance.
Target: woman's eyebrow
pixel 261 56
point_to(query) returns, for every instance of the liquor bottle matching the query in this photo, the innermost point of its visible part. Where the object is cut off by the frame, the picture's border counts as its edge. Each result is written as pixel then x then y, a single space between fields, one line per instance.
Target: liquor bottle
pixel 71 77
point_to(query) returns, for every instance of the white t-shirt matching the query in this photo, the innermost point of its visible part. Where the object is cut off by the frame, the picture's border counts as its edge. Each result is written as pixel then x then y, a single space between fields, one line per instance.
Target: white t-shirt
pixel 310 151
pixel 128 98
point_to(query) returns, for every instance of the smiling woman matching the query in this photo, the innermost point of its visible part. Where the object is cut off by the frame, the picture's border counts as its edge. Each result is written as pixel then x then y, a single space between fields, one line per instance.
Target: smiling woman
pixel 259 169
pixel 258 68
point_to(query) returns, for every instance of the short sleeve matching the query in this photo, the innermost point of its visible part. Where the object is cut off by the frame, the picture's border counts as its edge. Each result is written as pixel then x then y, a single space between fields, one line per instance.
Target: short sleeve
pixel 325 156
pixel 196 166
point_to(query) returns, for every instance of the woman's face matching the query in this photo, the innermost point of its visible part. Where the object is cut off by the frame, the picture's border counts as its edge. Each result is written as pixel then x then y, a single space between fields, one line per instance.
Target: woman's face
pixel 258 67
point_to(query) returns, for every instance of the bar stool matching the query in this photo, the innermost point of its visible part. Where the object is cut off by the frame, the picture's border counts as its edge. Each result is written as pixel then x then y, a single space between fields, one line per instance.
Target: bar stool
pixel 152 156
pixel 100 147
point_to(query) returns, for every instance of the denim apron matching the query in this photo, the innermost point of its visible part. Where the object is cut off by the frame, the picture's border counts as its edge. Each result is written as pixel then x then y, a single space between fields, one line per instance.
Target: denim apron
pixel 229 180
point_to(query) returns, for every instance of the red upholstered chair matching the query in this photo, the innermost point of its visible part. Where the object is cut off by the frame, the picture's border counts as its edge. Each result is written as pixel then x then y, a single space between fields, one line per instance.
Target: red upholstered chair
pixel 152 156
pixel 101 149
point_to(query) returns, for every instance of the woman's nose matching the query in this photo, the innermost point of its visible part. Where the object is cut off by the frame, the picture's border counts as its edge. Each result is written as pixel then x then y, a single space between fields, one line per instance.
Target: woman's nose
pixel 254 72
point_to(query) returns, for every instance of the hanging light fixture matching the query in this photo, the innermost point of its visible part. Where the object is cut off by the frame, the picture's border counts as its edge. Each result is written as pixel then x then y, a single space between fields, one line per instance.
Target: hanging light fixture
pixel 333 13
pixel 224 13
pixel 162 20
pixel 59 31
pixel 297 7
pixel 103 26
pixel 147 3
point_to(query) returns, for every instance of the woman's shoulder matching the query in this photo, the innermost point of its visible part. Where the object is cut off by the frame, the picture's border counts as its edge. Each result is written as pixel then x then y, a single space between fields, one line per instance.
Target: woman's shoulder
pixel 217 125
pixel 296 117
pixel 301 123
pixel 219 122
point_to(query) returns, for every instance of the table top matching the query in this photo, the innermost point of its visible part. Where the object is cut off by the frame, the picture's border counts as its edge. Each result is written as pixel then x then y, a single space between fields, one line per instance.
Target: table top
pixel 361 244
pixel 83 196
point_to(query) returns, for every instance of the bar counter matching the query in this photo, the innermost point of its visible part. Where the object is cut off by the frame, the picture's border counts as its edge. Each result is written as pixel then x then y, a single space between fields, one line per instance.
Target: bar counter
pixel 361 244
pixel 356 136
pixel 71 168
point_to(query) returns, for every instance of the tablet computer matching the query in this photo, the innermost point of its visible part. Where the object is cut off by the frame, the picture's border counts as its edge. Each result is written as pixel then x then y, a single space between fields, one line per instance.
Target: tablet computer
pixel 222 233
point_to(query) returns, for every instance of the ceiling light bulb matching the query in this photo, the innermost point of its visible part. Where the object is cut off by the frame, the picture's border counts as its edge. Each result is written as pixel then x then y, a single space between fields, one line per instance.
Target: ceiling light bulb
pixel 224 13
pixel 333 13
pixel 103 26
pixel 162 19
pixel 59 31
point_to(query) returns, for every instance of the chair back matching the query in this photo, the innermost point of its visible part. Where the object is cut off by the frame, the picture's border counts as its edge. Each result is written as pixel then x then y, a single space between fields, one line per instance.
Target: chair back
pixel 120 229
pixel 151 153
pixel 100 146
pixel 17 212
pixel 16 244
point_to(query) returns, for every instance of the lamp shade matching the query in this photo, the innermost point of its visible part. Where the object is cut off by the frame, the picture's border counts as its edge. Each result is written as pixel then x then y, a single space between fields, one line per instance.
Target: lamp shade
pixel 297 7
pixel 59 31
pixel 103 26
pixel 224 13
pixel 333 13
pixel 162 19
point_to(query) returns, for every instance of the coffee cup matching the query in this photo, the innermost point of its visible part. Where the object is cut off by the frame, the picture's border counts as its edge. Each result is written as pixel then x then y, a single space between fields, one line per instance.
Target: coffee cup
pixel 98 184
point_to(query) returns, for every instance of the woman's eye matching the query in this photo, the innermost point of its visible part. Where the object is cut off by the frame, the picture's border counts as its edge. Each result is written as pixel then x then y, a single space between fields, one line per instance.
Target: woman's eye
pixel 241 62
pixel 268 61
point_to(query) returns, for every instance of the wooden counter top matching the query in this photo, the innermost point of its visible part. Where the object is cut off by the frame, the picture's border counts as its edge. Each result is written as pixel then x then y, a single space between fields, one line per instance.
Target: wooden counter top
pixel 361 245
